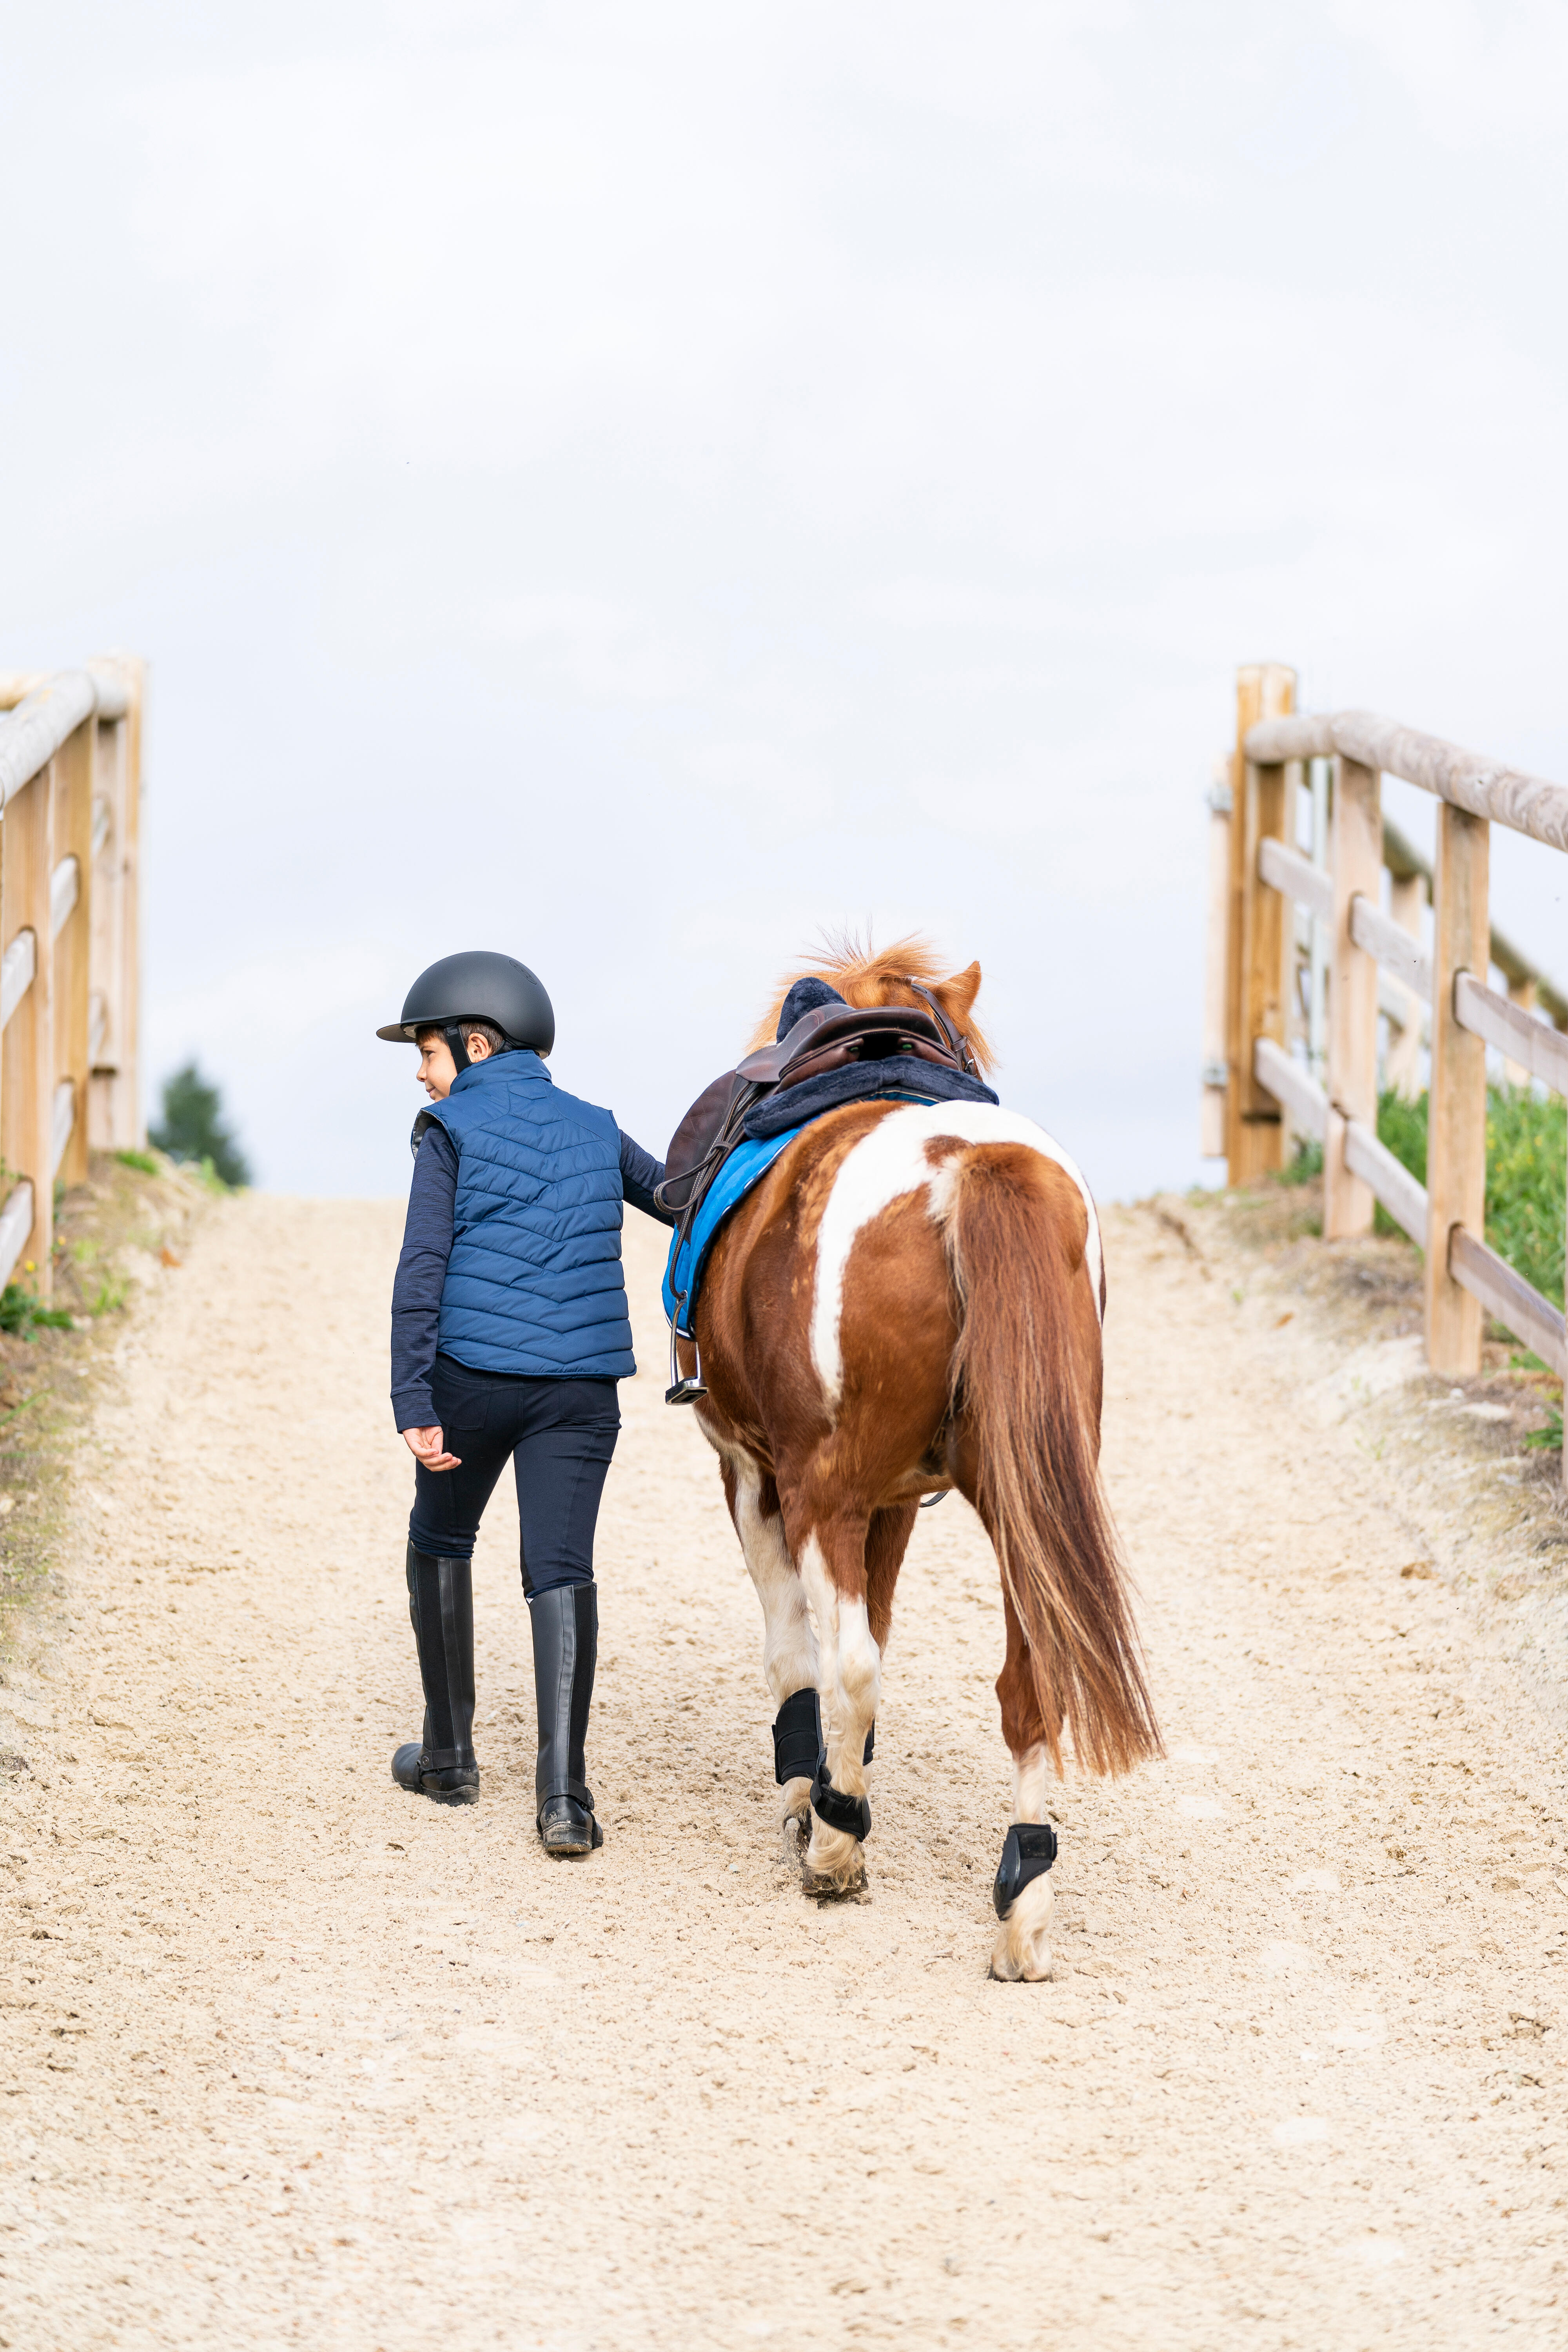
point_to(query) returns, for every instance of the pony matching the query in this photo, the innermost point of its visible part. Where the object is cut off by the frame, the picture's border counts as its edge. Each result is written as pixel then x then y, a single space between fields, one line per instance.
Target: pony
pixel 911 1300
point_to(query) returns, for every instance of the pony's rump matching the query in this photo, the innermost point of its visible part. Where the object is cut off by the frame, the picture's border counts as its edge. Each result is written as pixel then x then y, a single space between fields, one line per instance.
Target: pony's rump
pixel 1025 1387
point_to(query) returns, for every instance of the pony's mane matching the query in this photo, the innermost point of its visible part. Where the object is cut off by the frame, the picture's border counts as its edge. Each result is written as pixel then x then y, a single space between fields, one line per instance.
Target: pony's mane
pixel 867 976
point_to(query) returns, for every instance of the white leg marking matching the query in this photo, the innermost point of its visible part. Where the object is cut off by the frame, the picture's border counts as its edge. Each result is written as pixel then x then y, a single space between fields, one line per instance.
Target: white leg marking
pixel 889 1161
pixel 789 1646
pixel 790 1660
pixel 1030 1772
pixel 849 1684
pixel 1021 1951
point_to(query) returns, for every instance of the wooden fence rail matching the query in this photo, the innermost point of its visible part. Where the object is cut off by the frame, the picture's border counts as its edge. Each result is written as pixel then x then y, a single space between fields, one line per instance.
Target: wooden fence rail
pixel 70 791
pixel 1257 1089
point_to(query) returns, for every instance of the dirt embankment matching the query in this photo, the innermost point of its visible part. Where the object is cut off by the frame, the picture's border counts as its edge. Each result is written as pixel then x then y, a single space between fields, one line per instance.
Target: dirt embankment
pixel 291 2058
pixel 1468 1459
pixel 115 1237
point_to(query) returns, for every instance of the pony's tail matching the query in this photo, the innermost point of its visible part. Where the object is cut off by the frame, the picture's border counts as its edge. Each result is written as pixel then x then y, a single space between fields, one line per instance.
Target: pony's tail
pixel 1025 1395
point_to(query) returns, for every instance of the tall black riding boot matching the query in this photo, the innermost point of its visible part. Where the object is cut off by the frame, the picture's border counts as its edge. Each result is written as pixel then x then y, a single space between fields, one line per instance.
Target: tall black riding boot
pixel 441 1605
pixel 565 1648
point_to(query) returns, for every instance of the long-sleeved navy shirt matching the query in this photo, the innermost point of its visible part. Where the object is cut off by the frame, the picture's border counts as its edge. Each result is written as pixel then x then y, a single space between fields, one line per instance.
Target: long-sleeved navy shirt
pixel 426 1246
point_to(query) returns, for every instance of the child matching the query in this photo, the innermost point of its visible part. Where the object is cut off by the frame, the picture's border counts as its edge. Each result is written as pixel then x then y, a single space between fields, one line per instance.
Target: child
pixel 508 1333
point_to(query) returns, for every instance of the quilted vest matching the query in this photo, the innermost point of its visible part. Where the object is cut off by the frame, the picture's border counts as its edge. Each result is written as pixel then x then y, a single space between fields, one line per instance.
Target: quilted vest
pixel 533 1285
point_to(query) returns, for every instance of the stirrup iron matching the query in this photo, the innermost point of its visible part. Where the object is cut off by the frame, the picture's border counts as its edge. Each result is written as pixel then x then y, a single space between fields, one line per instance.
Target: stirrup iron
pixel 684 1388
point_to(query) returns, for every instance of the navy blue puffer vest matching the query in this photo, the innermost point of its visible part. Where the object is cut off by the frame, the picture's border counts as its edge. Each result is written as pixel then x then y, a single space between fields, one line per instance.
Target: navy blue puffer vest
pixel 533 1284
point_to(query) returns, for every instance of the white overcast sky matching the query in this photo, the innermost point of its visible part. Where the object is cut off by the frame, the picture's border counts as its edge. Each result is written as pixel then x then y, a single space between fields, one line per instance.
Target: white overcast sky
pixel 629 485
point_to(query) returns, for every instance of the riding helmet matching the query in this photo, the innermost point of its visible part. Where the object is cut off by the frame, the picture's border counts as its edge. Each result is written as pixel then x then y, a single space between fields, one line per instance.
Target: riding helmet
pixel 479 986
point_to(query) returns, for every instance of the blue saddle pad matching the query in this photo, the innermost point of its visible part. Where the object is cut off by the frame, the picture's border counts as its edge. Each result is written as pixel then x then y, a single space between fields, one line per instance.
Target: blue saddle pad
pixel 746 1166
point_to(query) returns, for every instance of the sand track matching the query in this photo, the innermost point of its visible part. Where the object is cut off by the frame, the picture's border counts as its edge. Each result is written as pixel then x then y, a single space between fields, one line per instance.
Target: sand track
pixel 291 2058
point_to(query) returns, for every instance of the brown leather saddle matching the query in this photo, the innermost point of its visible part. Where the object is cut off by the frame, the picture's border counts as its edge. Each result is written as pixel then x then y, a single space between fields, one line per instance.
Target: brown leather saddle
pixel 827 1038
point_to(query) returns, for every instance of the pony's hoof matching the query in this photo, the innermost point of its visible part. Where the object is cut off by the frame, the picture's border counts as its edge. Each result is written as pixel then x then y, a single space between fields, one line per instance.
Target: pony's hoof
pixel 833 1885
pixel 1022 1952
pixel 835 1863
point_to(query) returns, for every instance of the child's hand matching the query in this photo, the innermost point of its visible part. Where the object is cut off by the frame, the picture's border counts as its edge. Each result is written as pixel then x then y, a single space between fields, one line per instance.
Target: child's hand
pixel 424 1445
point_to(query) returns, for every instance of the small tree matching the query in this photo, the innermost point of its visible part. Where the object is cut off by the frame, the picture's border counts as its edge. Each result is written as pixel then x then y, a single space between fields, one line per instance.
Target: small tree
pixel 194 1128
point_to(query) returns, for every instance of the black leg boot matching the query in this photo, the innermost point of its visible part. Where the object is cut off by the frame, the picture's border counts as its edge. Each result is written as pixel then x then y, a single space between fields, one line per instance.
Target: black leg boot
pixel 566 1647
pixel 441 1605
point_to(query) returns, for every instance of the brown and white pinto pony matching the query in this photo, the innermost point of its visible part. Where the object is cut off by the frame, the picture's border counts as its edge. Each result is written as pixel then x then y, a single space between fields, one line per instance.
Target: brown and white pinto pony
pixel 910 1301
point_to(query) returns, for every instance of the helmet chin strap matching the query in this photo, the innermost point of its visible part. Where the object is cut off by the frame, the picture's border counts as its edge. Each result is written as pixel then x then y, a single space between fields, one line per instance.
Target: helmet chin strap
pixel 455 1047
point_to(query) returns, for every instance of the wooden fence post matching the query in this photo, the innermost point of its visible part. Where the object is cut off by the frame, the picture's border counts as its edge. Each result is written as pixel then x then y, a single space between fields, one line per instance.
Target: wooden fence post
pixel 130 1125
pixel 1261 945
pixel 115 1110
pixel 108 786
pixel 1407 896
pixel 1456 1107
pixel 1351 1081
pixel 26 1049
pixel 70 772
pixel 74 764
pixel 1215 1073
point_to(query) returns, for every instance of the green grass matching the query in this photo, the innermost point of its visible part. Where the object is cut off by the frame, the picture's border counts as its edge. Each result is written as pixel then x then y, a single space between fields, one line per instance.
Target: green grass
pixel 22 1314
pixel 206 1172
pixel 111 1295
pixel 1527 1171
pixel 1307 1163
pixel 1527 1166
pixel 1527 1152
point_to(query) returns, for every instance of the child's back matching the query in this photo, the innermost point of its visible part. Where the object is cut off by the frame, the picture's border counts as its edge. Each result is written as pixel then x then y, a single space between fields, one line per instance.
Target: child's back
pixel 508 1331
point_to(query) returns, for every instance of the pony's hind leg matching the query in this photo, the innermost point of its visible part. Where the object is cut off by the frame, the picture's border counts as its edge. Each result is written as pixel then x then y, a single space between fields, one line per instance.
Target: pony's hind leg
pixel 790 1661
pixel 1021 1950
pixel 886 1540
pixel 832 1568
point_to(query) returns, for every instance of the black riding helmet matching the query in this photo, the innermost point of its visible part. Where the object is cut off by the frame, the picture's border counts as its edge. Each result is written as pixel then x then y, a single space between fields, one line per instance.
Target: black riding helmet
pixel 477 986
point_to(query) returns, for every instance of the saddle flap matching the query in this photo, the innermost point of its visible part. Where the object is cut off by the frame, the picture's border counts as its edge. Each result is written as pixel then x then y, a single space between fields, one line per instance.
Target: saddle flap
pixel 695 1138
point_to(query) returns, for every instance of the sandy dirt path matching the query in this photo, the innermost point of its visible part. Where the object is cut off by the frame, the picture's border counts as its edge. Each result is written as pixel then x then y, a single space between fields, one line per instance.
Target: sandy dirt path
pixel 292 2058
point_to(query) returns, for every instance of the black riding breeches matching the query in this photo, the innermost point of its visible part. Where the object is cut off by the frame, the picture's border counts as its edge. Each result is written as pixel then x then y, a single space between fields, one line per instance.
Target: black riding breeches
pixel 559 1435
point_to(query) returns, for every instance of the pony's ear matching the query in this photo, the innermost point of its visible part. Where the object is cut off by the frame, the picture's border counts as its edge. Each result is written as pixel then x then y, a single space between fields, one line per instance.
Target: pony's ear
pixel 958 994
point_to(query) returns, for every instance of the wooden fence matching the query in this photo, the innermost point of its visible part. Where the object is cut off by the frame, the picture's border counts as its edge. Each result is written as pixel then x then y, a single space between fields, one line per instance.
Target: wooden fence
pixel 1257 1089
pixel 70 789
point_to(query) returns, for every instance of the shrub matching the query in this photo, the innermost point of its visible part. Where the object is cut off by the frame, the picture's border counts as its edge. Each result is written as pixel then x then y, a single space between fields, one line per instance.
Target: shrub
pixel 142 1161
pixel 1527 1152
pixel 193 1129
pixel 1527 1158
pixel 21 1312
